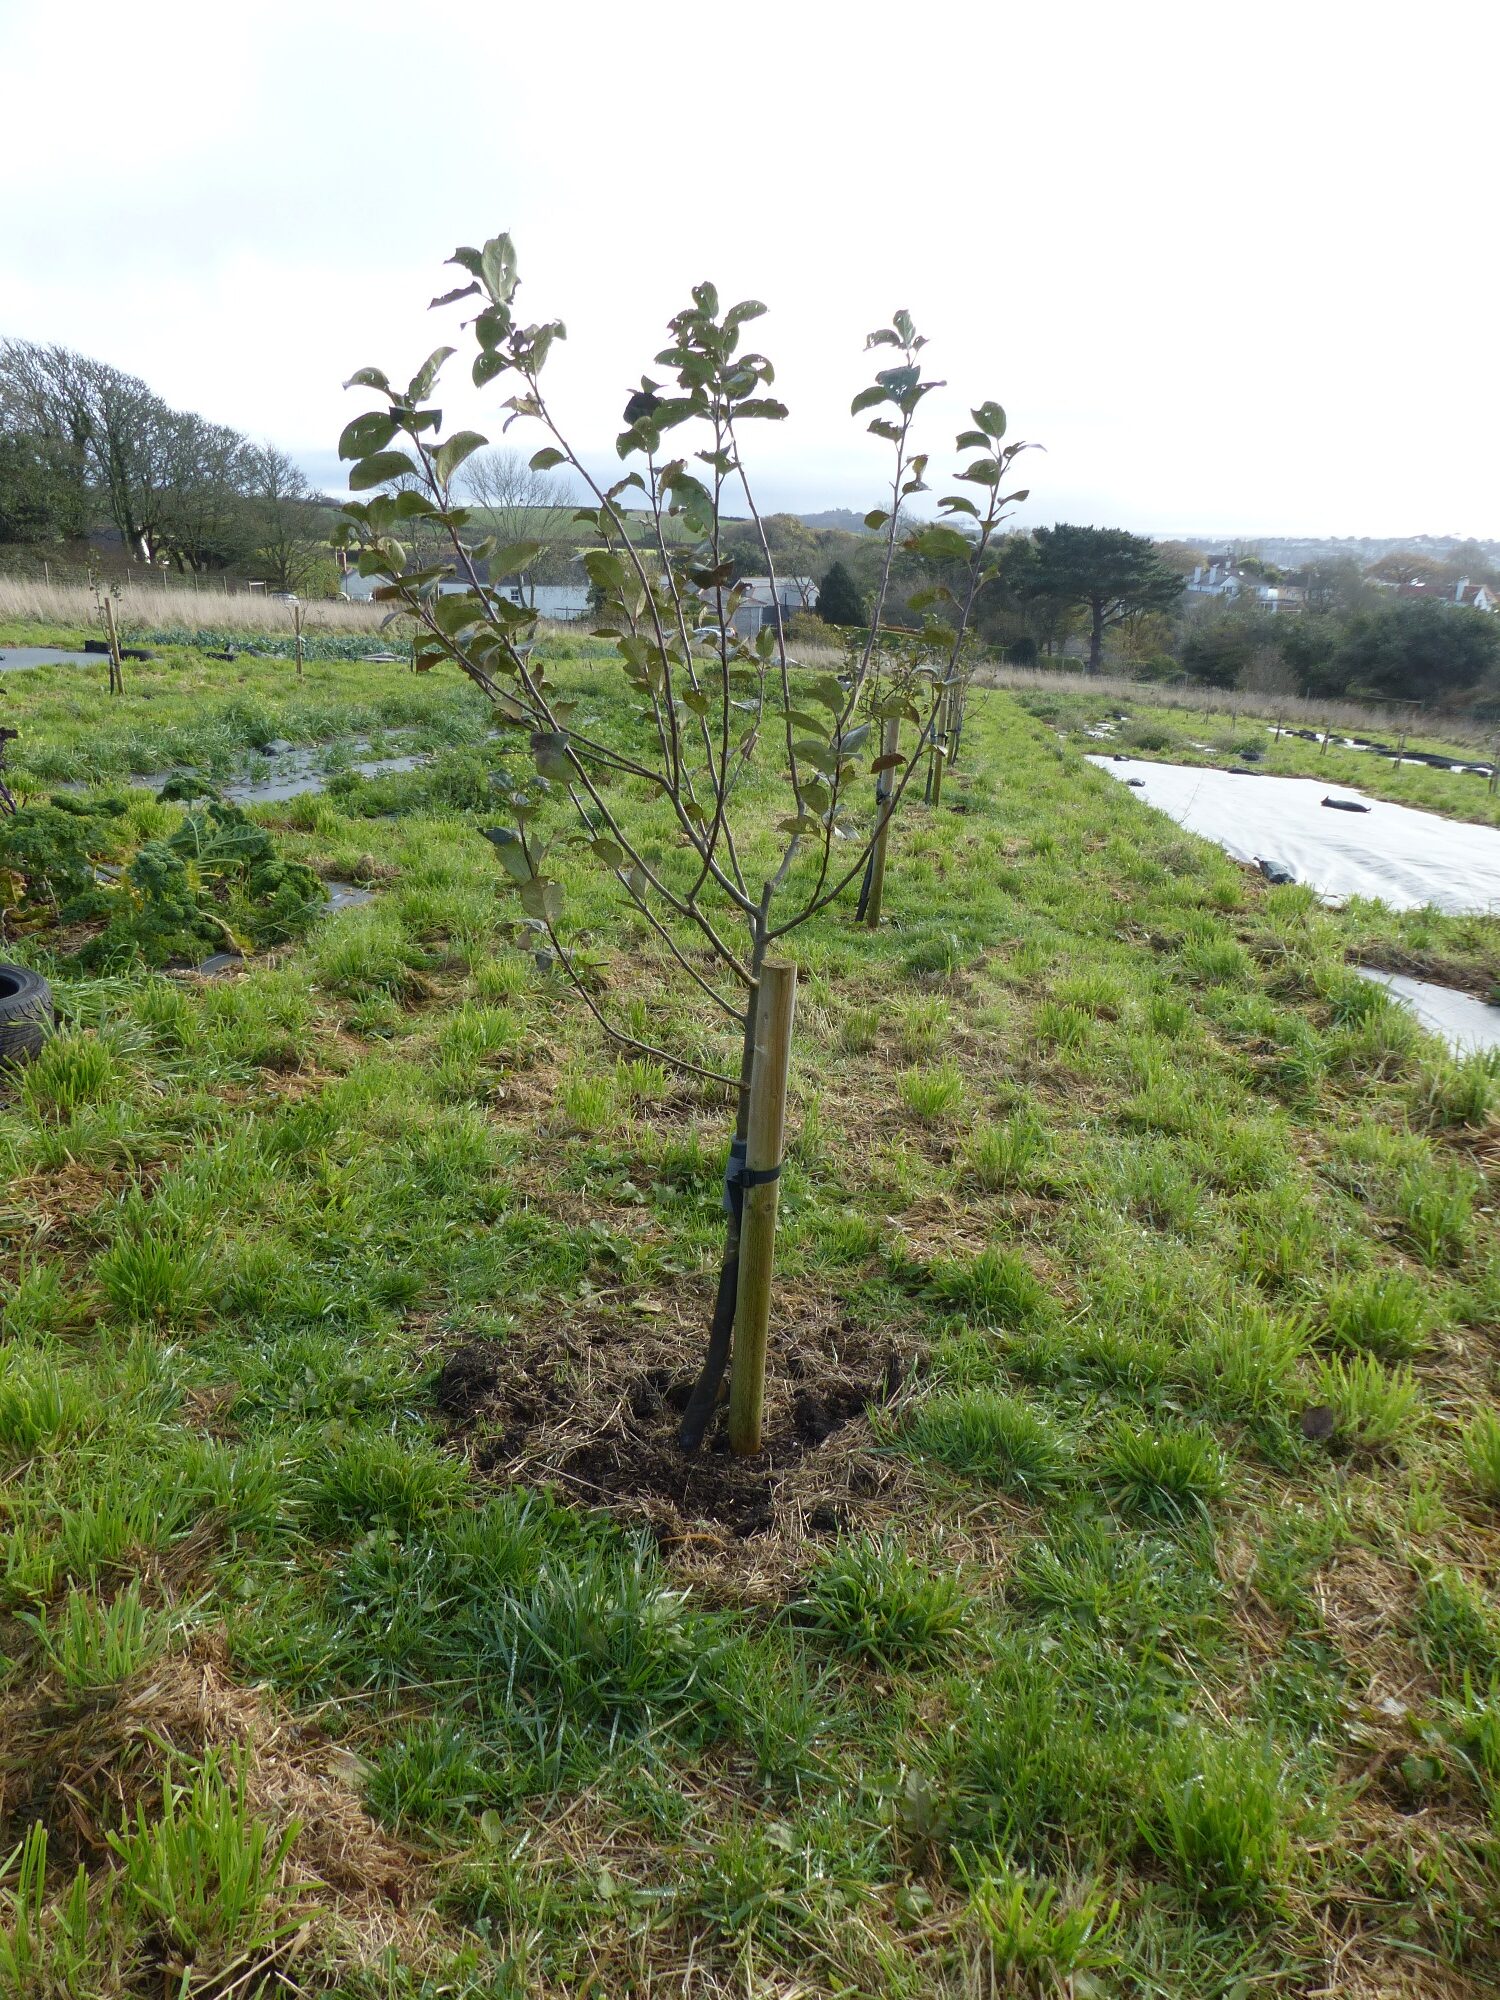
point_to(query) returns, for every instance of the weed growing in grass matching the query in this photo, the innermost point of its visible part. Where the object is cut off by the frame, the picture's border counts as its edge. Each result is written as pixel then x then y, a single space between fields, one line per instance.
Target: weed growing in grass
pixel 71 1071
pixel 92 1644
pixel 1031 1938
pixel 990 1436
pixel 433 1778
pixel 153 1272
pixel 1171 1473
pixel 1067 1029
pixel 1216 1815
pixel 996 1288
pixel 1435 1205
pixel 1375 1408
pixel 209 1876
pixel 375 1480
pixel 43 1405
pixel 932 1095
pixel 999 1154
pixel 870 1600
pixel 1384 1313
pixel 1482 1455
pixel 923 1028
pixel 859 1029
pixel 1457 1628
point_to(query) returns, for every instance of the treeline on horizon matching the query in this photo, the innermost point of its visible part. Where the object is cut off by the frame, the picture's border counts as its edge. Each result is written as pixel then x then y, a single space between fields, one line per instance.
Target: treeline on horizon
pixel 90 455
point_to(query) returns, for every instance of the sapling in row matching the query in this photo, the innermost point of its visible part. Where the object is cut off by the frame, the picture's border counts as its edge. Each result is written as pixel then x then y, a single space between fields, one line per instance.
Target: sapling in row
pixel 705 700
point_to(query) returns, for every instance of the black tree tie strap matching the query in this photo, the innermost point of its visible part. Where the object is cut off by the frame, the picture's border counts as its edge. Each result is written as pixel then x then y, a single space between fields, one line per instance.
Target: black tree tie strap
pixel 705 1396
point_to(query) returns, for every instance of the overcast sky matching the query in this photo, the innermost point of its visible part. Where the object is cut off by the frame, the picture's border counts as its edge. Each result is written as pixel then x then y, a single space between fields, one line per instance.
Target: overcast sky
pixel 1235 268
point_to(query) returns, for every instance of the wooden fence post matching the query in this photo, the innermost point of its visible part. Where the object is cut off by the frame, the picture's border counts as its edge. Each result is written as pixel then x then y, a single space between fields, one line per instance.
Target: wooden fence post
pixel 1326 727
pixel 297 635
pixel 1400 750
pixel 112 634
pixel 1495 765
pixel 764 1137
pixel 890 741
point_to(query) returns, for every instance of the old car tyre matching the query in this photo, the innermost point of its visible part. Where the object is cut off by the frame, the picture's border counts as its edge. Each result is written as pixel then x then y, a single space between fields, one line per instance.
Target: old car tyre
pixel 25 1013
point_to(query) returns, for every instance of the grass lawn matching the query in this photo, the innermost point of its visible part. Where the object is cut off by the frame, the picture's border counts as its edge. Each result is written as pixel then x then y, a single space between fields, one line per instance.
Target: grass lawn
pixel 1114 1609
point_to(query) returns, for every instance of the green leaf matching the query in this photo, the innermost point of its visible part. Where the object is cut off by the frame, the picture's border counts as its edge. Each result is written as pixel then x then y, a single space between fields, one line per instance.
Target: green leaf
pixel 876 518
pixel 609 852
pixel 867 399
pixel 541 898
pixel 891 762
pixel 990 419
pixel 606 571
pixel 451 454
pixel 369 433
pixel 549 748
pixel 514 558
pixel 420 387
pixel 938 543
pixel 497 268
pixel 369 378
pixel 511 849
pixel 971 441
pixel 546 458
pixel 379 468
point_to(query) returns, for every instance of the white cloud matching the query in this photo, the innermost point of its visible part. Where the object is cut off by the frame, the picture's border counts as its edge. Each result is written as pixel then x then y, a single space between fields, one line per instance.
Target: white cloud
pixel 1232 268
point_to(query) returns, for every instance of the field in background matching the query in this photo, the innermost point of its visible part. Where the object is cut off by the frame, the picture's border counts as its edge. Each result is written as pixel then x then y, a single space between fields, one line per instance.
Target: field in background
pixel 1367 718
pixel 161 608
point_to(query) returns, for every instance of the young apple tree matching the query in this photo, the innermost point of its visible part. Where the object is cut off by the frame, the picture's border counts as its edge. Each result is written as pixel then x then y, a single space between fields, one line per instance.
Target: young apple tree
pixel 700 718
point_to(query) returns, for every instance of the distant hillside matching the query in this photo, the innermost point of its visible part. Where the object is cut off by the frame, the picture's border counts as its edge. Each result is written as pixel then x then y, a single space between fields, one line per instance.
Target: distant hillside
pixel 1291 551
pixel 846 518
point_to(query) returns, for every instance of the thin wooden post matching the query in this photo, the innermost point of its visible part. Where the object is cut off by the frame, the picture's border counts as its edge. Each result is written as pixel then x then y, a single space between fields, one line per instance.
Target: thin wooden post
pixel 1277 737
pixel 1326 727
pixel 939 750
pixel 890 740
pixel 112 633
pixel 764 1137
pixel 1400 750
pixel 297 635
pixel 1495 766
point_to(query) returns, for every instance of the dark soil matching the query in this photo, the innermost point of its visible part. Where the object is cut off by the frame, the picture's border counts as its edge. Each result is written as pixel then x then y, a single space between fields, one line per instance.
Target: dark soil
pixel 611 1438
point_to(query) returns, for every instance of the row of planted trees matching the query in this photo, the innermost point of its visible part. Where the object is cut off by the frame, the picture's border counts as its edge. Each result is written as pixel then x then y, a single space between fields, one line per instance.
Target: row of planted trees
pixel 703 707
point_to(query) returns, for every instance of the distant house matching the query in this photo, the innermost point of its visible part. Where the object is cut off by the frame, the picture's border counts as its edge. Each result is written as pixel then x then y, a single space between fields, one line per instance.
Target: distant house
pixel 770 603
pixel 1471 596
pixel 560 601
pixel 1227 581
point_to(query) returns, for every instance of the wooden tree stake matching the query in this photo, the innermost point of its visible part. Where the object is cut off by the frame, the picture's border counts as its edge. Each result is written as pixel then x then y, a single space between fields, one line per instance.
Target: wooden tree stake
pixel 763 1143
pixel 297 635
pixel 890 743
pixel 116 665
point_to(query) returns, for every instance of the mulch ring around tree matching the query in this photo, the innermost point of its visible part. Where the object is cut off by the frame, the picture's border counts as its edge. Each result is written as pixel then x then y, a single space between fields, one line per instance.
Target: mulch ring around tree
pixel 595 1413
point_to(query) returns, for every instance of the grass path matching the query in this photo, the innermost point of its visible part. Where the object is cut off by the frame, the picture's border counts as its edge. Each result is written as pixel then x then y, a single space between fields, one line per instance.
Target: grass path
pixel 1115 1605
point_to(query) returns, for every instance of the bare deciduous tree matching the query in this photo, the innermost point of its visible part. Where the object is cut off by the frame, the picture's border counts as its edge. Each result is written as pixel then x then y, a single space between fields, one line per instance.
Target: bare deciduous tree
pixel 522 505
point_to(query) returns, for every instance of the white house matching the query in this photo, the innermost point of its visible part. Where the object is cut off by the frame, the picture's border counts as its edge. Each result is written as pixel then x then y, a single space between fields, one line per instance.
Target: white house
pixel 1471 596
pixel 1224 580
pixel 765 602
pixel 560 601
